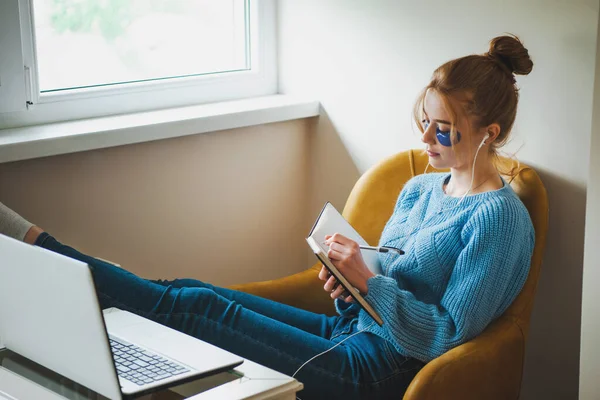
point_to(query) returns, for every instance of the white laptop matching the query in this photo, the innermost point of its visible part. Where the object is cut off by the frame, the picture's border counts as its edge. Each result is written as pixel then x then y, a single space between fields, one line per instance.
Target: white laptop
pixel 49 313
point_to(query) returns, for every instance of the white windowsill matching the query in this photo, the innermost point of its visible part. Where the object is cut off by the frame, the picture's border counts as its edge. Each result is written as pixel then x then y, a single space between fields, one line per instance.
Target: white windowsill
pixel 68 137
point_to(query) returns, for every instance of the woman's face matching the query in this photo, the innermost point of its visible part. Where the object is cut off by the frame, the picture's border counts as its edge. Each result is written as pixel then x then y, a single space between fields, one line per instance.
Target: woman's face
pixel 436 125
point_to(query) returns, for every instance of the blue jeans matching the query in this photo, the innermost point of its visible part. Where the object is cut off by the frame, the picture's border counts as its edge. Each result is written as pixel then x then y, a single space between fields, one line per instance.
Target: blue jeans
pixel 276 335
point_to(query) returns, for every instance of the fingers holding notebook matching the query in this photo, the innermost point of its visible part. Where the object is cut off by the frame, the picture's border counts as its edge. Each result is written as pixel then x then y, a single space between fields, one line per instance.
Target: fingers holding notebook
pixel 332 286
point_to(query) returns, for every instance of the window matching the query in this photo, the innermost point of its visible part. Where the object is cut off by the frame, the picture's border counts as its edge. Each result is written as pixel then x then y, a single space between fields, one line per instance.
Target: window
pixel 73 59
pixel 94 43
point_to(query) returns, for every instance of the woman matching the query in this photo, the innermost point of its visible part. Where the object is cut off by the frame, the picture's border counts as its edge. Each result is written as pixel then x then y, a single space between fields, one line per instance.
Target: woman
pixel 468 241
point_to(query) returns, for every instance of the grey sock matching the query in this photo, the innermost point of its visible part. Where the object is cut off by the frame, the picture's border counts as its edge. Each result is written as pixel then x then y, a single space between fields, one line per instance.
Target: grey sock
pixel 12 224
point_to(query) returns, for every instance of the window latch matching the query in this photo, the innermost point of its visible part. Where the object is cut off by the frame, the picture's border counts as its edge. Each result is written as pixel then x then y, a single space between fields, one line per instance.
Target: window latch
pixel 28 87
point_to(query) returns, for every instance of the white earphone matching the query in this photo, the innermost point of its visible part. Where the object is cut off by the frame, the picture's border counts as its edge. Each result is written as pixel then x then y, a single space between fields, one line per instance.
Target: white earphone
pixel 487 136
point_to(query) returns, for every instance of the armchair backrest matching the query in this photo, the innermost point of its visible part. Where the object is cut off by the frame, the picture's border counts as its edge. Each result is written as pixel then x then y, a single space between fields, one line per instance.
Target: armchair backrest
pixel 372 201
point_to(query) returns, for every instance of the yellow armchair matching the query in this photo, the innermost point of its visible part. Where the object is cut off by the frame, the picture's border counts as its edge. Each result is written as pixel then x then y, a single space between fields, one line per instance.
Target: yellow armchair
pixel 488 367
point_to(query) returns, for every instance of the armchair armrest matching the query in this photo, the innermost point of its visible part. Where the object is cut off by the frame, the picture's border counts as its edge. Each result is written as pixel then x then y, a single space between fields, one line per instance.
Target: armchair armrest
pixel 303 290
pixel 487 367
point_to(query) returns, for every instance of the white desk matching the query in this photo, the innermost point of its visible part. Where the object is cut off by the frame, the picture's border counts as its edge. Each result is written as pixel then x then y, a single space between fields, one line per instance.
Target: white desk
pixel 21 379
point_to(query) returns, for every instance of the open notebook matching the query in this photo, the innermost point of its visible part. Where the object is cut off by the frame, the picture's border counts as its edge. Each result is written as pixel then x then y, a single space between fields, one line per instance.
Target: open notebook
pixel 328 222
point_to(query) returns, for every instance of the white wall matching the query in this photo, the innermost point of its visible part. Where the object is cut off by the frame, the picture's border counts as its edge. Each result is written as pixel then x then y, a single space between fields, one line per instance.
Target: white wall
pixel 366 61
pixel 589 384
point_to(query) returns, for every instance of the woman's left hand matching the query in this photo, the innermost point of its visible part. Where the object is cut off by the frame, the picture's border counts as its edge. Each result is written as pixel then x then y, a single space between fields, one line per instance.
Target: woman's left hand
pixel 346 256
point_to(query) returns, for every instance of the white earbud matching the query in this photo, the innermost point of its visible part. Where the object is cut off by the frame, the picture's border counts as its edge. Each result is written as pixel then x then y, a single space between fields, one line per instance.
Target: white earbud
pixel 487 136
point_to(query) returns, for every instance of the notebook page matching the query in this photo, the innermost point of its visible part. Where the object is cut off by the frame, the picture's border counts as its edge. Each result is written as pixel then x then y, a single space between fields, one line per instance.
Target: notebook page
pixel 330 222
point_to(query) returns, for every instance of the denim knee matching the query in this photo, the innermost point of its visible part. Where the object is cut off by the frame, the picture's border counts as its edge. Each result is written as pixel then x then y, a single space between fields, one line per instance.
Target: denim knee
pixel 205 302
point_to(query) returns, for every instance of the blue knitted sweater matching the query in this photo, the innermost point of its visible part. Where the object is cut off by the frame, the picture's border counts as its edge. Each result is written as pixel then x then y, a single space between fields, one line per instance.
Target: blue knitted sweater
pixel 465 263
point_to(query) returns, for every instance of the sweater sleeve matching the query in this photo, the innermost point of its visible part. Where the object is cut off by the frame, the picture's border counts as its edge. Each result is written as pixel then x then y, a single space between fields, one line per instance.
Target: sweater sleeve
pixel 487 276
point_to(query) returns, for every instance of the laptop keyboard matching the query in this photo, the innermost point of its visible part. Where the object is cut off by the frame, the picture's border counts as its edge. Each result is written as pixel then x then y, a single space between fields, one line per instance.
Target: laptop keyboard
pixel 141 366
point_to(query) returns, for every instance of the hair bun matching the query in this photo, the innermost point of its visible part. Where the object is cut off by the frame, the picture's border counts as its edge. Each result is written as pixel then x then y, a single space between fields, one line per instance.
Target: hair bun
pixel 509 51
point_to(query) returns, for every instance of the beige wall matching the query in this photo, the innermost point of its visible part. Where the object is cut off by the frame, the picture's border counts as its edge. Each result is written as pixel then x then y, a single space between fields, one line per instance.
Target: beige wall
pixel 589 384
pixel 225 207
pixel 365 61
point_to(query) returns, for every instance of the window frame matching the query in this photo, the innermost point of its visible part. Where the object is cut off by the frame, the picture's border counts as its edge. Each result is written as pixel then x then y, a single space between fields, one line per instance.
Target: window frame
pixel 259 80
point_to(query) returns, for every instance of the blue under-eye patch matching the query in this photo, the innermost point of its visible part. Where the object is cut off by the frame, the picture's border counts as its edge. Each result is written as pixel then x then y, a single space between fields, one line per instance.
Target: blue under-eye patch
pixel 444 137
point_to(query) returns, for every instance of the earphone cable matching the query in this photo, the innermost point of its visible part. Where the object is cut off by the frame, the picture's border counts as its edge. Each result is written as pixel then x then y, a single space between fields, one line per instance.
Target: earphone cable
pixel 473 172
pixel 336 345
